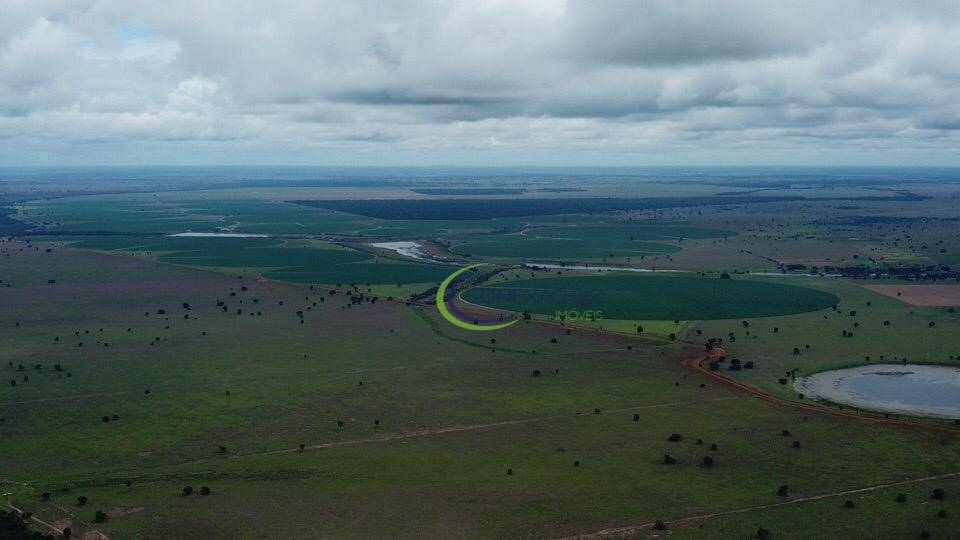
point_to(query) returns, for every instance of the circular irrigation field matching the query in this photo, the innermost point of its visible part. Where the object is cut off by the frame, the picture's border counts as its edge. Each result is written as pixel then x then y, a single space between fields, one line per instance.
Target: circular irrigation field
pixel 651 297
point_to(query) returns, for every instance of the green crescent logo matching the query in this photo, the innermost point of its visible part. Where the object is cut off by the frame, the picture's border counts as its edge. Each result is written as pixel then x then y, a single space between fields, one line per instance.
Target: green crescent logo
pixel 442 306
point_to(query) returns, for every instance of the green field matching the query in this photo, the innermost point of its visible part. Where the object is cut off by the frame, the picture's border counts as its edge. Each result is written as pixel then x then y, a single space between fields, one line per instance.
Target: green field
pixel 639 297
pixel 299 261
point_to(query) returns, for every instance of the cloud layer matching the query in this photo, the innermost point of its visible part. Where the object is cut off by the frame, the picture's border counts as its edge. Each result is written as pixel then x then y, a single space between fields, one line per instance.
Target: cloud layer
pixel 479 82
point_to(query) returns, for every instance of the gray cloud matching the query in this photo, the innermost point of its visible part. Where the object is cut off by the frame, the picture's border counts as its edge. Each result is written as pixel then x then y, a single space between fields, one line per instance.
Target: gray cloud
pixel 491 81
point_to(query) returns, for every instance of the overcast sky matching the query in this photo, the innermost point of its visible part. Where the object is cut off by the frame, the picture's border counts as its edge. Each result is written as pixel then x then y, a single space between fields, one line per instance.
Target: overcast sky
pixel 492 82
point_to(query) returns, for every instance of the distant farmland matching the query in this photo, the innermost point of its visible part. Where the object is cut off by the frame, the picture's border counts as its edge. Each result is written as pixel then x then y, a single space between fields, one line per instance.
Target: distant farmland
pixel 652 297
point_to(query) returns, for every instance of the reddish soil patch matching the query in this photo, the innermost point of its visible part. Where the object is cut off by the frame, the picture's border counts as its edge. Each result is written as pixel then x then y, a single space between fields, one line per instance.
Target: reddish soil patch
pixel 121 511
pixel 921 295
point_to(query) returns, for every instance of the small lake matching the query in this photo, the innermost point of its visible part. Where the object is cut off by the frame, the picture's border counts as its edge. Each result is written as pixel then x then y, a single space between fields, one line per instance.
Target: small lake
pixel 408 249
pixel 911 389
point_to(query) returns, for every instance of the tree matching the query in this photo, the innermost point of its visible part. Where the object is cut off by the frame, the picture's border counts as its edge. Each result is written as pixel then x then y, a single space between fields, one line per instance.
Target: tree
pixel 81 500
pixel 676 437
pixel 708 461
pixel 783 490
pixel 14 527
pixel 939 494
pixel 100 516
pixel 901 497
pixel 204 490
pixel 668 459
pixel 187 490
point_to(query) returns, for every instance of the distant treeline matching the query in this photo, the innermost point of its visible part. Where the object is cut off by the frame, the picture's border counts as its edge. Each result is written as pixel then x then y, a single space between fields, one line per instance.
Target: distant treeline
pixel 907 273
pixel 469 191
pixel 501 208
pixel 892 220
pixel 447 209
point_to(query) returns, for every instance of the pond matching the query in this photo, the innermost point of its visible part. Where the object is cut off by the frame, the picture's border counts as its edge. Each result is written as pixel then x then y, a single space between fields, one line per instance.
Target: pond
pixel 910 389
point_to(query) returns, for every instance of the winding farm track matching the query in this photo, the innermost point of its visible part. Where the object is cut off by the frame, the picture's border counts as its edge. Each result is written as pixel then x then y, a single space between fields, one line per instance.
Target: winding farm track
pixel 633 530
pixel 473 427
pixel 695 363
pixel 92 534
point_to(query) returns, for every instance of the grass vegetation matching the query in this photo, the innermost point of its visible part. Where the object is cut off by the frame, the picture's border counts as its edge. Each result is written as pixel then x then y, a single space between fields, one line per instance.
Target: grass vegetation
pixel 155 387
pixel 660 297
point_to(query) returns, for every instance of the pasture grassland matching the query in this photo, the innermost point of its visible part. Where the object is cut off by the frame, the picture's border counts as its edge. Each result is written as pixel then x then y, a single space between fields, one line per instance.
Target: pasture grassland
pixel 876 514
pixel 639 297
pixel 456 480
pixel 649 327
pixel 29 264
pixel 861 314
